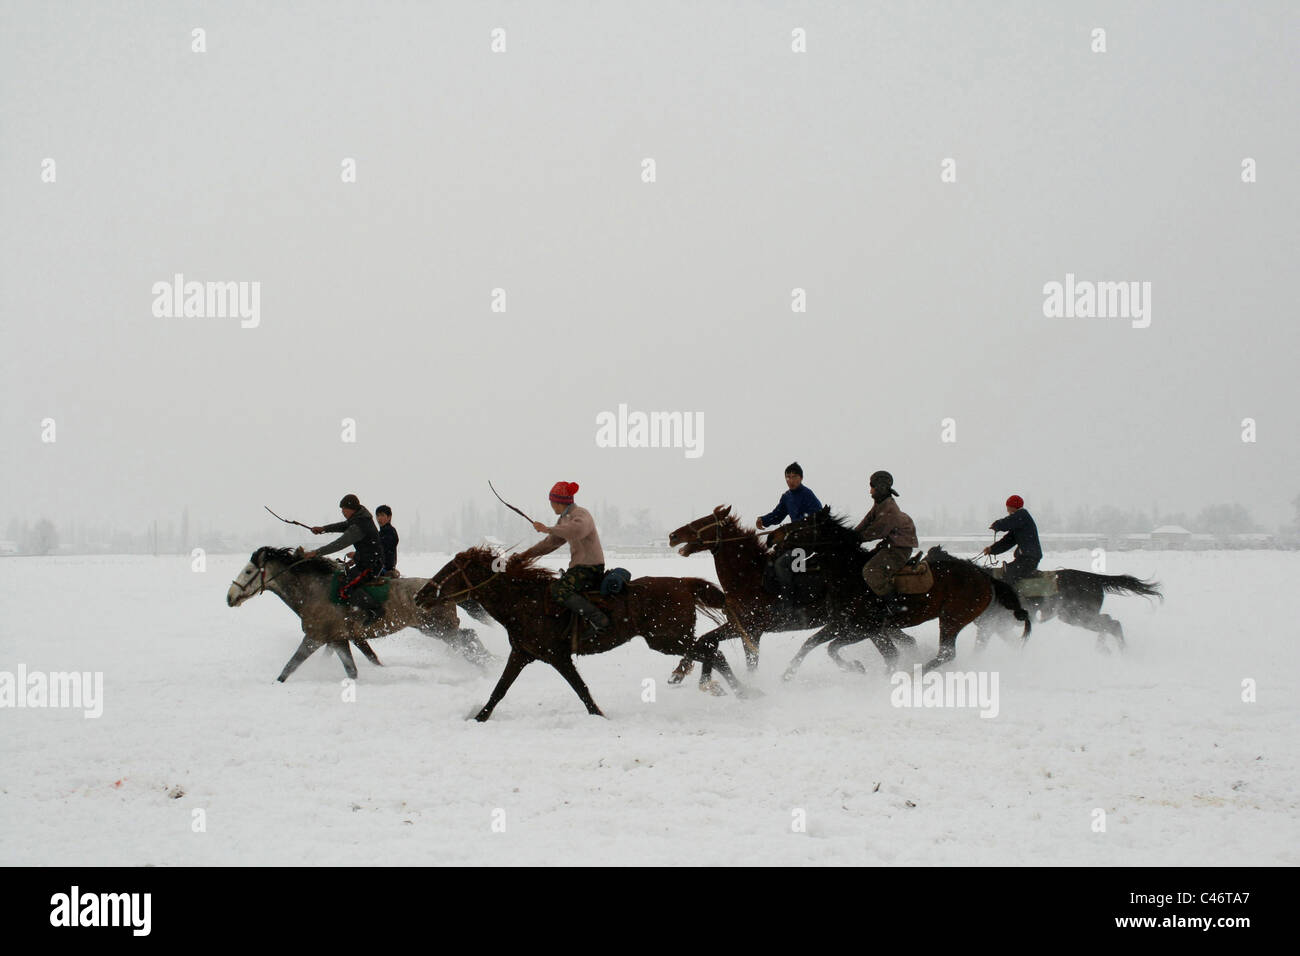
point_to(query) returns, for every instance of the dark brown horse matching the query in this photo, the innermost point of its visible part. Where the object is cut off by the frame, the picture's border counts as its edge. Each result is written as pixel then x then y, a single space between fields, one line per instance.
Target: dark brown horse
pixel 1077 602
pixel 662 610
pixel 739 558
pixel 962 591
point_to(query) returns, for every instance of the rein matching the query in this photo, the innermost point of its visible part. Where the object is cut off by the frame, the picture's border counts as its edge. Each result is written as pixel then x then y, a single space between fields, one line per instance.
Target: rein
pixel 720 540
pixel 265 580
pixel 472 586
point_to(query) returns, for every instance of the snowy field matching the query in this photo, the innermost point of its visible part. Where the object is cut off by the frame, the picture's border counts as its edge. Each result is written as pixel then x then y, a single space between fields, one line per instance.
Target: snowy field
pixel 1159 739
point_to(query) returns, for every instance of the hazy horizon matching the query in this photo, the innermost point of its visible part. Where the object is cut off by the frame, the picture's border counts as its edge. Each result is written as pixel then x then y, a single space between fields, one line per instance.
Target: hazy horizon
pixel 522 170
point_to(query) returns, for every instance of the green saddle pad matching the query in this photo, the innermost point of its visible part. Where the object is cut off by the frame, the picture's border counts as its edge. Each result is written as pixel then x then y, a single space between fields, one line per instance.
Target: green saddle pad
pixel 379 590
pixel 1038 585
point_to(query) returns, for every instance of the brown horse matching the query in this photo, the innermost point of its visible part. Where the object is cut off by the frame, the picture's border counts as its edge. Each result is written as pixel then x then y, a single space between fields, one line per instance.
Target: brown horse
pixel 514 591
pixel 739 559
pixel 962 591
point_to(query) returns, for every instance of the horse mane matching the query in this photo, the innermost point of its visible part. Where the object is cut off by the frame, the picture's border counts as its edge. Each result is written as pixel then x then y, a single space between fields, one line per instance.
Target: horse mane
pixel 937 555
pixel 732 523
pixel 289 556
pixel 837 526
pixel 517 566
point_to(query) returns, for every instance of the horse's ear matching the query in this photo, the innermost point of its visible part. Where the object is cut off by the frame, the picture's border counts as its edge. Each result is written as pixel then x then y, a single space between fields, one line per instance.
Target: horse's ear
pixel 826 510
pixel 721 511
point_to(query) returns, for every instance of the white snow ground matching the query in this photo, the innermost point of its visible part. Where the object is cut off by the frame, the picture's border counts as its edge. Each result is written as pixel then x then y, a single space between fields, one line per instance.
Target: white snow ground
pixel 1160 739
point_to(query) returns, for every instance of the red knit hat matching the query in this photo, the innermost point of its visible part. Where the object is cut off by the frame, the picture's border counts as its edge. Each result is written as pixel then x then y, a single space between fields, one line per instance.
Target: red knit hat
pixel 1015 501
pixel 562 492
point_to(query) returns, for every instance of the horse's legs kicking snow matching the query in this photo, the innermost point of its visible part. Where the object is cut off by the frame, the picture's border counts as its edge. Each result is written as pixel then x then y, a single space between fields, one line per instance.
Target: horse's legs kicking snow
pixel 344 650
pixel 564 664
pixel 517 661
pixel 369 652
pixel 306 649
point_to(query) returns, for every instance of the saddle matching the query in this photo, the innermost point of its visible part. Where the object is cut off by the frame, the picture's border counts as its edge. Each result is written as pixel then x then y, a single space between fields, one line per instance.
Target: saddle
pixel 606 602
pixel 377 588
pixel 1040 584
pixel 914 577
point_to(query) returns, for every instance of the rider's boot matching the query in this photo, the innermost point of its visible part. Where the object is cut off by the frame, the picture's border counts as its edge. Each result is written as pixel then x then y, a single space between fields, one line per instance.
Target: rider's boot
pixel 364 601
pixel 593 615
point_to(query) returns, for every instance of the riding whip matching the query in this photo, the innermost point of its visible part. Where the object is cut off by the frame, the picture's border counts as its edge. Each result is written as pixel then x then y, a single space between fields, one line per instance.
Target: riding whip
pixel 509 505
pixel 287 521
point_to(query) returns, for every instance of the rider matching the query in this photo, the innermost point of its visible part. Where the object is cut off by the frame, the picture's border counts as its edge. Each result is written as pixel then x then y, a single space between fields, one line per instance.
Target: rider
pixel 795 503
pixel 897 535
pixel 359 530
pixel 577 528
pixel 1021 532
pixel 388 540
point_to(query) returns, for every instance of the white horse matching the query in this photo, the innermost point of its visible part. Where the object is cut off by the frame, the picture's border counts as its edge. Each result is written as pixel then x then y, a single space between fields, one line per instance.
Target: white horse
pixel 305 583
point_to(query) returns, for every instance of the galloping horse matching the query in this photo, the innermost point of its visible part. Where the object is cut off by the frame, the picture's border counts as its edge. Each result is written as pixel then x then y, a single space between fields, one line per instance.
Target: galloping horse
pixel 739 559
pixel 1077 601
pixel 514 591
pixel 962 591
pixel 304 585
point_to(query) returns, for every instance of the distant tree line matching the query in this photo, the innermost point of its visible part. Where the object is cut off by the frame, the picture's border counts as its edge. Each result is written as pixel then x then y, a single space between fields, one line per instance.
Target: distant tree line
pixel 471 523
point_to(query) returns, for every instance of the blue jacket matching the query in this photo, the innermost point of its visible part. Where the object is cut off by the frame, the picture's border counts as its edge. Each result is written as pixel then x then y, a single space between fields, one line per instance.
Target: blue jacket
pixel 1021 532
pixel 793 505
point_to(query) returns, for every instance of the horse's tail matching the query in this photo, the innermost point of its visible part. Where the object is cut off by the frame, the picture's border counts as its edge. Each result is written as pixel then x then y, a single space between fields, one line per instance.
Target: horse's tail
pixel 1127 584
pixel 1006 596
pixel 709 599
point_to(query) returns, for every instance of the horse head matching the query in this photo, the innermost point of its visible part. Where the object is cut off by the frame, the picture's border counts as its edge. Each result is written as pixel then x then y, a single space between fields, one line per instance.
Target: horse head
pixel 263 565
pixel 706 533
pixel 464 573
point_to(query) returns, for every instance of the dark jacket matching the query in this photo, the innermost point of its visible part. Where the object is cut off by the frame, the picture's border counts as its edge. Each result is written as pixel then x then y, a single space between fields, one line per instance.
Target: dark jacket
pixel 388 540
pixel 360 532
pixel 794 504
pixel 1021 532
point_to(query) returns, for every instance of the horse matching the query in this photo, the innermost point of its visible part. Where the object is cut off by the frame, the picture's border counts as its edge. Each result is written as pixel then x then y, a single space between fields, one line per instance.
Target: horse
pixel 304 585
pixel 739 559
pixel 514 591
pixel 1077 601
pixel 961 592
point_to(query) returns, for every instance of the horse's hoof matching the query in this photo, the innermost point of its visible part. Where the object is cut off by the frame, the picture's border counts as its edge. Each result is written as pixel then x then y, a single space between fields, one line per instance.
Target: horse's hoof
pixel 788 676
pixel 713 687
pixel 856 666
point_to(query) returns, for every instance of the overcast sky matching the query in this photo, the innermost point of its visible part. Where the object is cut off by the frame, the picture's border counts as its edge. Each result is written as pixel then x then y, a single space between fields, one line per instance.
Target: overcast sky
pixel 523 171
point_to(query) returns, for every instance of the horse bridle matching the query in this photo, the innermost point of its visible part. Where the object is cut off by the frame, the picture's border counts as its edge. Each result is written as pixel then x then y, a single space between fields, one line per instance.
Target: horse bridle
pixel 465 577
pixel 717 523
pixel 261 566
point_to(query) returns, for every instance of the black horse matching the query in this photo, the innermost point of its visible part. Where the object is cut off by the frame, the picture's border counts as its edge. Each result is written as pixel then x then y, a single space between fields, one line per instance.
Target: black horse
pixel 961 592
pixel 1077 601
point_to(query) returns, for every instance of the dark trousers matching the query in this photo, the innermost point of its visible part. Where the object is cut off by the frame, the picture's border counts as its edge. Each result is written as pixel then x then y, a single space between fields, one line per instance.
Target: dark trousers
pixel 1022 567
pixel 579 578
pixel 353 579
